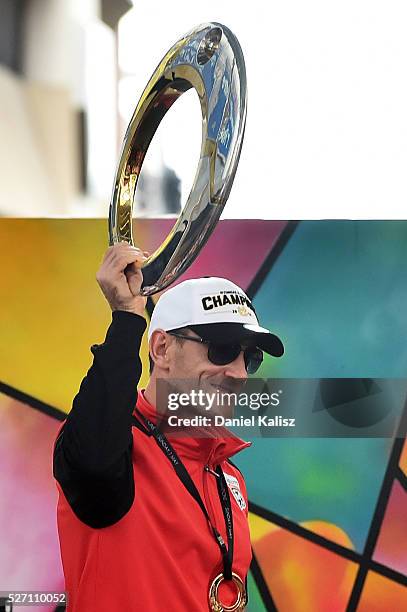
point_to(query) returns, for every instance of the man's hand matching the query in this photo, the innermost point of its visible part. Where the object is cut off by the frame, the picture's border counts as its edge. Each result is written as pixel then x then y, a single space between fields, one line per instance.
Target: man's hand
pixel 120 277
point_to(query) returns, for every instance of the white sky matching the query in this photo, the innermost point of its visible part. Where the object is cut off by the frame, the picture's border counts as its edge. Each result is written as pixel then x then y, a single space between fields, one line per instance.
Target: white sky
pixel 326 132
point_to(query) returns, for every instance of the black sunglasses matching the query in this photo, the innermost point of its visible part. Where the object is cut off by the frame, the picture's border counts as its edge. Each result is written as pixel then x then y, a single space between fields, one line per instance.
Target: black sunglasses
pixel 221 354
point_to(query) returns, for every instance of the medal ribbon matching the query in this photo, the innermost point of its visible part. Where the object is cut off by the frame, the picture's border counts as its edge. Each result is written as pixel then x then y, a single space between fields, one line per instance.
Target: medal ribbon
pixel 185 478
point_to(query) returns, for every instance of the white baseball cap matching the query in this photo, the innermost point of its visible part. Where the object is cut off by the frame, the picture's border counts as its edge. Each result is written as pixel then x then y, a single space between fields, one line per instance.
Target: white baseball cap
pixel 217 310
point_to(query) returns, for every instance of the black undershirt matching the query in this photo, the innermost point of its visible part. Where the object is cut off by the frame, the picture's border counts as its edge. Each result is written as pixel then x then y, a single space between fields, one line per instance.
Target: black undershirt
pixel 93 453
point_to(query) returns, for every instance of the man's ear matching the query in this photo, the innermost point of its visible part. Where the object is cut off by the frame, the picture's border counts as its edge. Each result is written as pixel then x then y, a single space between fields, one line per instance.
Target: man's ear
pixel 158 348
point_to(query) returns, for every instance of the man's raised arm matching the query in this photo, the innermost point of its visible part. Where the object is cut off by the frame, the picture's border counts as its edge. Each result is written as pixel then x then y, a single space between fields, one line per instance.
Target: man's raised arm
pixel 92 458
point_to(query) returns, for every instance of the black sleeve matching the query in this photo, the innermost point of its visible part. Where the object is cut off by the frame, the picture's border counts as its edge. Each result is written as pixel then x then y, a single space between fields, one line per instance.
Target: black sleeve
pixel 92 457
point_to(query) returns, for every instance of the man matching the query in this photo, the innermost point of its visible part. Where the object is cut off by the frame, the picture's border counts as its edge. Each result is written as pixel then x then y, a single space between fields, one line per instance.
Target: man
pixel 147 522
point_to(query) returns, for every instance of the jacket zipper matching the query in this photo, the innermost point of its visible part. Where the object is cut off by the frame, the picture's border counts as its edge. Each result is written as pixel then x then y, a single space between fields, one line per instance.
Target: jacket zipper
pixel 208 469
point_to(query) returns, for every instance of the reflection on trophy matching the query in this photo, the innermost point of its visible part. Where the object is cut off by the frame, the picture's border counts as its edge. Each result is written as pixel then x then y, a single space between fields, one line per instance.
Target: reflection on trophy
pixel 210 60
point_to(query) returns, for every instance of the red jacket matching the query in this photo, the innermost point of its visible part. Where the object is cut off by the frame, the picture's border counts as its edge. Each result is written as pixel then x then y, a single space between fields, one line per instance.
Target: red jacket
pixel 161 555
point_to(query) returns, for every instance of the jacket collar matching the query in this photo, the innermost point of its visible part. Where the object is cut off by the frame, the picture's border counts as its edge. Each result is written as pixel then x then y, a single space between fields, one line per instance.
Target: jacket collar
pixel 209 450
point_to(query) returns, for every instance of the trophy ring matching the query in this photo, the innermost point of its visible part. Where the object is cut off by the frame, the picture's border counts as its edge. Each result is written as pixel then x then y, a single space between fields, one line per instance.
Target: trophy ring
pixel 208 58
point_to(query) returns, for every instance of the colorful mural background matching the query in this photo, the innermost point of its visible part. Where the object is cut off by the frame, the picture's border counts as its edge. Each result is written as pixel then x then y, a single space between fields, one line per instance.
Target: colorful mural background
pixel 328 517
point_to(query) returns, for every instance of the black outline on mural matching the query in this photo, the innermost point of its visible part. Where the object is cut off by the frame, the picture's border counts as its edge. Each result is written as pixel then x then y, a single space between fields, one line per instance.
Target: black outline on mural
pixel 33 402
pixel 262 587
pixel 402 478
pixel 271 258
pixel 378 517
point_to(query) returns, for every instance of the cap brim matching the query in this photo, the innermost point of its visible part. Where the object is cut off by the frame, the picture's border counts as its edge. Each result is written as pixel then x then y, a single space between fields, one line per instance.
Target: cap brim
pixel 224 333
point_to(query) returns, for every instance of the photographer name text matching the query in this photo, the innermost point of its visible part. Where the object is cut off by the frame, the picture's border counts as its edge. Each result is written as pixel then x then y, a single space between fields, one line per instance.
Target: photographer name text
pixel 218 420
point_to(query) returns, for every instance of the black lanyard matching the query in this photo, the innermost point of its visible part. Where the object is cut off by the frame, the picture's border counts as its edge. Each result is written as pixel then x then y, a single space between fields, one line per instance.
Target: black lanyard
pixel 185 478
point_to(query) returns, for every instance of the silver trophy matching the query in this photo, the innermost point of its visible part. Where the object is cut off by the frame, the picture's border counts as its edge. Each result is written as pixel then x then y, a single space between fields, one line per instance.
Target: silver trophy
pixel 208 58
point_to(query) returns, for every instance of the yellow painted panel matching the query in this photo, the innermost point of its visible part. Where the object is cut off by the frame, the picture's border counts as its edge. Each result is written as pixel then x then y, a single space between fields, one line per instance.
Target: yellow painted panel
pixel 51 308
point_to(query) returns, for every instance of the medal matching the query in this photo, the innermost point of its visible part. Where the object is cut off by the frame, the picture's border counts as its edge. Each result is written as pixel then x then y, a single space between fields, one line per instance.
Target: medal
pixel 241 599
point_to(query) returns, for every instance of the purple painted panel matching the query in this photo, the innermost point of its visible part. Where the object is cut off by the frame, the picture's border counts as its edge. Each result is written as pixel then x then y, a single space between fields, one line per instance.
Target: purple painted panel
pixel 29 558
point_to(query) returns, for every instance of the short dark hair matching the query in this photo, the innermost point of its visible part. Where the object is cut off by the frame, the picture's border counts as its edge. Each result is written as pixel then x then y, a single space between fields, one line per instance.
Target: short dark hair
pixel 180 341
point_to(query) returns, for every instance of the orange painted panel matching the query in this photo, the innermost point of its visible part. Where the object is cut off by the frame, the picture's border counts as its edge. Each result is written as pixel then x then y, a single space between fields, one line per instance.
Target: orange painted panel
pixel 382 595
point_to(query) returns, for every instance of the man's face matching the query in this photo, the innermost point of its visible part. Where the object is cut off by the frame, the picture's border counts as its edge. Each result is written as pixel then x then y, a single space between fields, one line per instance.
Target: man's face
pixel 190 368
